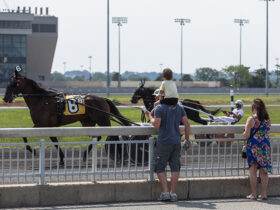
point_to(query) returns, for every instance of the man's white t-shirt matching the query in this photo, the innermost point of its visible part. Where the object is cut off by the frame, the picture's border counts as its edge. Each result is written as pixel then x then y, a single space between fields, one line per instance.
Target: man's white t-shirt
pixel 238 112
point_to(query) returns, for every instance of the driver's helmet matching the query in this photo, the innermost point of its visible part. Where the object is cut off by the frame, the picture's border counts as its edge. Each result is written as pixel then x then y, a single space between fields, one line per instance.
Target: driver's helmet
pixel 239 102
pixel 157 93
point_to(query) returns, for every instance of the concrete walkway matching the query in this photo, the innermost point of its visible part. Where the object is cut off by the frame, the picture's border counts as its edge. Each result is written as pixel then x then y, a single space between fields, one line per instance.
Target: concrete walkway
pixel 228 204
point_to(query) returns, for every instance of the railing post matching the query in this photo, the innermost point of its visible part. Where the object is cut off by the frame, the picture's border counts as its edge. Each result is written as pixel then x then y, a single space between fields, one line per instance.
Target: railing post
pixel 42 162
pixel 151 157
pixel 94 158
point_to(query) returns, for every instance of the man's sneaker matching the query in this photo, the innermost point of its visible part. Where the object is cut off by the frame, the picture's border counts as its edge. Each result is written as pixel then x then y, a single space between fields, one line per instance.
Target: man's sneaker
pixel 173 197
pixel 164 196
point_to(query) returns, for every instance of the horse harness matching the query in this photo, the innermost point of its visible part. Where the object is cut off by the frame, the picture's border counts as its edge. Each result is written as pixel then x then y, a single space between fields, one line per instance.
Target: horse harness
pixel 61 101
pixel 60 108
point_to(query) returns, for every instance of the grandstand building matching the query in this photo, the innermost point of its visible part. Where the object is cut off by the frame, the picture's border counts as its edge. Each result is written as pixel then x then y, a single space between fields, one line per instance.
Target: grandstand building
pixel 27 39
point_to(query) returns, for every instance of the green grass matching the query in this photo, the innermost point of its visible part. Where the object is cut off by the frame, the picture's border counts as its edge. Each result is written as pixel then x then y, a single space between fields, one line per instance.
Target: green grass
pixel 213 99
pixel 22 119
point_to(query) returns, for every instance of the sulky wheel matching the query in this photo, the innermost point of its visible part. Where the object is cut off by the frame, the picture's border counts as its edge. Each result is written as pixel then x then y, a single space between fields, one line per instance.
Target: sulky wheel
pixel 116 151
pixel 139 152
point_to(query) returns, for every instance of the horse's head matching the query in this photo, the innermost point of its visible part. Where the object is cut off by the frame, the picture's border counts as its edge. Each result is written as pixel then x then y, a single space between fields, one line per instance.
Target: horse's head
pixel 138 93
pixel 14 87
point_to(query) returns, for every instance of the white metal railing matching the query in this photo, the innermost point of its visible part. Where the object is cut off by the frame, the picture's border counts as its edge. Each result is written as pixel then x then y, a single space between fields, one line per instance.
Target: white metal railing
pixel 118 131
pixel 118 160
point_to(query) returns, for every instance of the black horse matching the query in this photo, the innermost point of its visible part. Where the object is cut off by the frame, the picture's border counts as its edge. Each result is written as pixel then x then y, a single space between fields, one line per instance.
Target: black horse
pixel 147 95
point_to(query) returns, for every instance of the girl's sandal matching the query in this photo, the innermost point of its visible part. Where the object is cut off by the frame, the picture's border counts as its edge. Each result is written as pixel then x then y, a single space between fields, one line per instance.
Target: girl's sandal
pixel 262 198
pixel 251 197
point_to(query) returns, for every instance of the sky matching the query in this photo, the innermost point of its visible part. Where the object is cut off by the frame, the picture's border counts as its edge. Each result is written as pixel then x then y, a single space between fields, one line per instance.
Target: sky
pixel 151 37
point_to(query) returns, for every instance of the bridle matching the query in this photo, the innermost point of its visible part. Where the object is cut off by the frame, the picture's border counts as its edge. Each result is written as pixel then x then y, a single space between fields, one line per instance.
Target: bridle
pixel 14 83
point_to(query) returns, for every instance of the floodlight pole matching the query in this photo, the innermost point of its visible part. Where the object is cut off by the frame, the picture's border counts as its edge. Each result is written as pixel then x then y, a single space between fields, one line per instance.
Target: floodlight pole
pixel 119 76
pixel 241 23
pixel 182 23
pixel 90 57
pixel 266 63
pixel 240 53
pixel 108 49
pixel 119 21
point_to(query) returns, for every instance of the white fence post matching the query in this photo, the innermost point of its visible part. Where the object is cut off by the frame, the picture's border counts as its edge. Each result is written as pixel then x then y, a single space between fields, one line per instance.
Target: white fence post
pixel 151 157
pixel 42 162
pixel 94 158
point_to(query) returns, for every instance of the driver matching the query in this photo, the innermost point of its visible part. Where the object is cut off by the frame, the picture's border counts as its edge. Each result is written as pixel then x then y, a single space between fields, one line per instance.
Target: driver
pixel 234 116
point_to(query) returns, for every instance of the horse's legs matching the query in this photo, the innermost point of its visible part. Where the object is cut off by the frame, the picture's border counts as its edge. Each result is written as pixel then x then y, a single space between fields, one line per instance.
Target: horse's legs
pixel 201 121
pixel 88 123
pixel 28 147
pixel 193 115
pixel 86 152
pixel 61 155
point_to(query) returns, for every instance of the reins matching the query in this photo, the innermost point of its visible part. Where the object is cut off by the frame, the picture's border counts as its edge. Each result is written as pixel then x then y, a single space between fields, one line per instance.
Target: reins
pixel 118 117
pixel 187 107
pixel 37 94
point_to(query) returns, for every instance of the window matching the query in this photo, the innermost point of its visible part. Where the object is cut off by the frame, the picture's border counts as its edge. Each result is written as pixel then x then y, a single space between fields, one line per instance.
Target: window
pixel 44 28
pixel 51 28
pixel 12 53
pixel 35 28
pixel 7 70
pixel 15 24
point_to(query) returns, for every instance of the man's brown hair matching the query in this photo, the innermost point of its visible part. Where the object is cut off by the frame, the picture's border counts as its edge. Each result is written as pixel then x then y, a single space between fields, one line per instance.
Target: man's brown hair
pixel 167 73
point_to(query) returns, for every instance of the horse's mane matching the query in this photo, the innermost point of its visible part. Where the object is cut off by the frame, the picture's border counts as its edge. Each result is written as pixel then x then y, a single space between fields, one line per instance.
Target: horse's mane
pixel 37 88
pixel 150 90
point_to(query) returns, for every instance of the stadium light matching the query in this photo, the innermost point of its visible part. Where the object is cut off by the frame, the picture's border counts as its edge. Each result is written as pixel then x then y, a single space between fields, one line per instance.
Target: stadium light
pixel 119 21
pixel 266 66
pixel 241 23
pixel 182 22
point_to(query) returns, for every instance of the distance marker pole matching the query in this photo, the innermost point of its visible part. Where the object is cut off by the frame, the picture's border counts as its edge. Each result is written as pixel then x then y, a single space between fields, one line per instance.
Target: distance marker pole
pixel 232 99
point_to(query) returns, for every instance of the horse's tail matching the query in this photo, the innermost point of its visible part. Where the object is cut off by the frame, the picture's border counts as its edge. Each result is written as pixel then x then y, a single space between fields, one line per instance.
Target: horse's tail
pixel 116 112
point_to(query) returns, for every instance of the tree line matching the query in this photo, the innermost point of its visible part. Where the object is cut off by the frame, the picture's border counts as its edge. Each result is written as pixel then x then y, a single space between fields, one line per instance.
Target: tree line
pixel 235 76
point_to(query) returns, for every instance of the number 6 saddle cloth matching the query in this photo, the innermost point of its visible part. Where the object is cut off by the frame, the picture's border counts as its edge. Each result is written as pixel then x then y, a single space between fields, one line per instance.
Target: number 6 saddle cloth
pixel 73 105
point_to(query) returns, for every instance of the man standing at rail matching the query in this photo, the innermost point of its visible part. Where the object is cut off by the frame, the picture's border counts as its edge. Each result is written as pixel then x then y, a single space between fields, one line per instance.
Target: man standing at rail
pixel 167 119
